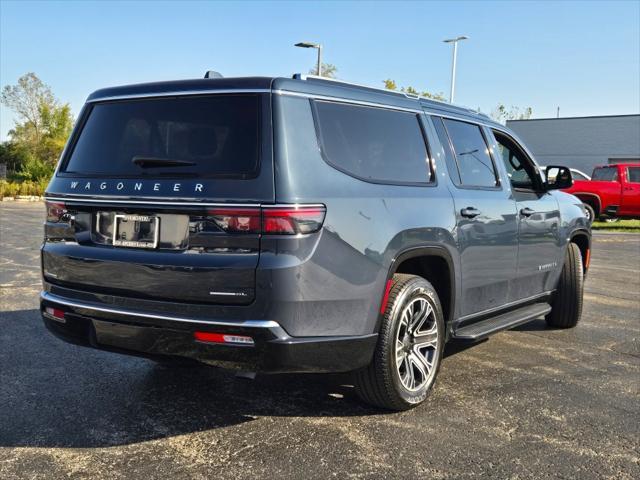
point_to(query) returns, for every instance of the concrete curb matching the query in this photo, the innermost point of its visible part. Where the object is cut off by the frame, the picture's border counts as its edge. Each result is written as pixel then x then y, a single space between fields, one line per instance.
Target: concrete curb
pixel 23 198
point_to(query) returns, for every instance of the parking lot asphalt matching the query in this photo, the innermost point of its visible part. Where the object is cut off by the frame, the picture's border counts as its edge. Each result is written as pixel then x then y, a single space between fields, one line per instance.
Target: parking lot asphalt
pixel 529 403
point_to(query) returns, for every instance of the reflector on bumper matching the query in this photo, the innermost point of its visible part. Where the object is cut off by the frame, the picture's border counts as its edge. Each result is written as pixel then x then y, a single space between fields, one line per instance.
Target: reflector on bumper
pixel 209 337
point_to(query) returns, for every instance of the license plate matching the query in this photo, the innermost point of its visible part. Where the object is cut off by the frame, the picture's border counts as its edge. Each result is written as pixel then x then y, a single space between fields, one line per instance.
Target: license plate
pixel 136 231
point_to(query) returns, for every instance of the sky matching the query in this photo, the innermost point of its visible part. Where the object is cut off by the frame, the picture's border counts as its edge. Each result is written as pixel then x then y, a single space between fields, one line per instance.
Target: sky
pixel 583 57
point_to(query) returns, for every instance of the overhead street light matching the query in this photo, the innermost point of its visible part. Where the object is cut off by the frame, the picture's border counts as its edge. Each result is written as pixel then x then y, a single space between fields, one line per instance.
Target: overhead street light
pixel 453 63
pixel 317 46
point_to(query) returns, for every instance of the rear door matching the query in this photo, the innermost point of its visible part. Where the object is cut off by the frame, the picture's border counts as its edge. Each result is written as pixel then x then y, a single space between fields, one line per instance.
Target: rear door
pixel 486 228
pixel 158 198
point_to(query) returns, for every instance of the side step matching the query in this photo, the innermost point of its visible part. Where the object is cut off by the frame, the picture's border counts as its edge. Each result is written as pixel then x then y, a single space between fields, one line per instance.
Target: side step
pixel 484 328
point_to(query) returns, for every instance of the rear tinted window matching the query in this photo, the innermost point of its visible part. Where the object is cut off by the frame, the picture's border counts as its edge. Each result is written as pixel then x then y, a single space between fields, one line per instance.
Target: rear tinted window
pixel 472 154
pixel 452 167
pixel 606 174
pixel 633 174
pixel 183 136
pixel 373 144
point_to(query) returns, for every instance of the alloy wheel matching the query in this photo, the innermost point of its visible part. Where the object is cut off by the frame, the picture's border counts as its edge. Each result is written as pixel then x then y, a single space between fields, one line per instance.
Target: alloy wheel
pixel 416 344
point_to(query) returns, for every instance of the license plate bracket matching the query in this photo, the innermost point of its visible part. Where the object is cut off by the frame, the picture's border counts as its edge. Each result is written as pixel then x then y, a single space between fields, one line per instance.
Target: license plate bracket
pixel 136 231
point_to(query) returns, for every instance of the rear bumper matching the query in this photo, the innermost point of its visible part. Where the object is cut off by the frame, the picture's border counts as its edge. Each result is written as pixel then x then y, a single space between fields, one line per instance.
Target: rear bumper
pixel 155 335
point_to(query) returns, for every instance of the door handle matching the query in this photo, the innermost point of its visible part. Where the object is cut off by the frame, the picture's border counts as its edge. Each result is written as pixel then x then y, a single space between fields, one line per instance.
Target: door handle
pixel 470 212
pixel 527 212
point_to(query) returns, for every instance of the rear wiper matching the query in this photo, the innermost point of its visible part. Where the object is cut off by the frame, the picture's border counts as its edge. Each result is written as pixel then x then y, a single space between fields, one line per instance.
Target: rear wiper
pixel 147 162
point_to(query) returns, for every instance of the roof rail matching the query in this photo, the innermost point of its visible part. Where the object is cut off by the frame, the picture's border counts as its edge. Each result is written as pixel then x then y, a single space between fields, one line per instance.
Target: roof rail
pixel 302 76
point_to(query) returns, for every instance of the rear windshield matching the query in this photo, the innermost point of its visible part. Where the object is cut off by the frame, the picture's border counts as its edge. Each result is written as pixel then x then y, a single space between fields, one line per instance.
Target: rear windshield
pixel 606 174
pixel 179 136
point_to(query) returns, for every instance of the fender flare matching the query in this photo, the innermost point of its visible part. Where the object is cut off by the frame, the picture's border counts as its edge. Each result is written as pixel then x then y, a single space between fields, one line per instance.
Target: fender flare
pixel 426 251
pixel 581 232
pixel 592 195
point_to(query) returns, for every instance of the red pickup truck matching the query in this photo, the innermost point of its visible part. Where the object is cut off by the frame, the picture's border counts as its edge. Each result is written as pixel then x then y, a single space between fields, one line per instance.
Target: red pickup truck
pixel 612 192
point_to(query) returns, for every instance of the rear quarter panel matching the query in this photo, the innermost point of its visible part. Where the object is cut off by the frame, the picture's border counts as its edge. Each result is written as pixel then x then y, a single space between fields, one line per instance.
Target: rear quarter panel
pixel 337 287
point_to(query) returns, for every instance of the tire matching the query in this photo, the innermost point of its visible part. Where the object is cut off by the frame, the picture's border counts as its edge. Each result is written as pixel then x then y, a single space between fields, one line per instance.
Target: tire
pixel 591 213
pixel 566 306
pixel 387 384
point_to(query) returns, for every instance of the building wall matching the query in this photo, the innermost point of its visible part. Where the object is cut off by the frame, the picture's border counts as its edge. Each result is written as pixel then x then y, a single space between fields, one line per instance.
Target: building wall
pixel 581 142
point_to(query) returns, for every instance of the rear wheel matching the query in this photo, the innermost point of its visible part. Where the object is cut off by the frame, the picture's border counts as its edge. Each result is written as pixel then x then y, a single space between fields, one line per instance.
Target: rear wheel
pixel 409 349
pixel 566 306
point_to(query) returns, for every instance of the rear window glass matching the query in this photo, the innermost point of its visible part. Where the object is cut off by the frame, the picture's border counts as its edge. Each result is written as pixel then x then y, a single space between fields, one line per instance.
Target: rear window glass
pixel 179 136
pixel 472 154
pixel 373 144
pixel 607 174
pixel 633 174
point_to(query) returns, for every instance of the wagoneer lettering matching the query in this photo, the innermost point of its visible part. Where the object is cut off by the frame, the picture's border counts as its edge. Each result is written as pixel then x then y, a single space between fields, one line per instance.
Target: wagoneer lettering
pixel 137 186
pixel 303 225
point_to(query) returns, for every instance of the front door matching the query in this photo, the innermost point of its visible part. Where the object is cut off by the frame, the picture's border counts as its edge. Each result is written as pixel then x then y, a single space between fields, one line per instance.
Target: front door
pixel 540 248
pixel 630 203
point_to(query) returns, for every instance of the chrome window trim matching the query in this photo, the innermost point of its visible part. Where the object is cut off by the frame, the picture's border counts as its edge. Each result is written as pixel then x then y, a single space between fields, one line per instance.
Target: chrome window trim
pixel 178 94
pixel 329 98
pixel 303 76
pixel 268 324
pixel 469 119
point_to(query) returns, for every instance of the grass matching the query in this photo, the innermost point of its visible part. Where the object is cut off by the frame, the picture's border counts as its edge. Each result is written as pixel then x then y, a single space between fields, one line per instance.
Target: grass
pixel 619 226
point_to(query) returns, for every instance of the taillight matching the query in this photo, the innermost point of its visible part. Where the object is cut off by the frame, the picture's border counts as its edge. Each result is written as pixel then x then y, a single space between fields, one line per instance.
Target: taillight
pixel 292 220
pixel 237 220
pixel 278 220
pixel 55 211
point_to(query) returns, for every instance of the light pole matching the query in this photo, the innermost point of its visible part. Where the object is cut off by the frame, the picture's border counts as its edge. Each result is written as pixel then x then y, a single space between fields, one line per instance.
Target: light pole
pixel 317 46
pixel 453 63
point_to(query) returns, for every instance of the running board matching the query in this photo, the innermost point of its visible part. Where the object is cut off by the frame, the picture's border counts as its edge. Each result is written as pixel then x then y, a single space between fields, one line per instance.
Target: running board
pixel 484 328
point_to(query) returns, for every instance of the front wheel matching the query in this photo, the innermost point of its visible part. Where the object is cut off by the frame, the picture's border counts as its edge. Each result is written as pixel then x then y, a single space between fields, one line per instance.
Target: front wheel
pixel 591 214
pixel 409 349
pixel 566 307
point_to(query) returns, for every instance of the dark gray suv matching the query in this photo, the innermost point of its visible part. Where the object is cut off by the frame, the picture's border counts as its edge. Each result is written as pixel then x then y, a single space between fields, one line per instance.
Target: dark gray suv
pixel 303 225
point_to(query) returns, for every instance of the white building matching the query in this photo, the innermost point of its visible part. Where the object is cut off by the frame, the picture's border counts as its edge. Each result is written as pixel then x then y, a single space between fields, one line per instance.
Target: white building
pixel 581 142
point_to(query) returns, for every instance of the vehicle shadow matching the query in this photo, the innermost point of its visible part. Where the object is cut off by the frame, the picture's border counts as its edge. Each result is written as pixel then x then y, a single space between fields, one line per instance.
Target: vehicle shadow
pixel 53 394
pixel 534 326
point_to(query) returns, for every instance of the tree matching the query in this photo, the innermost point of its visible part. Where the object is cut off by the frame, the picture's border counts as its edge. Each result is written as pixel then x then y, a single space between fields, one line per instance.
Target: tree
pixel 26 99
pixel 502 114
pixel 390 84
pixel 14 156
pixel 329 70
pixel 41 129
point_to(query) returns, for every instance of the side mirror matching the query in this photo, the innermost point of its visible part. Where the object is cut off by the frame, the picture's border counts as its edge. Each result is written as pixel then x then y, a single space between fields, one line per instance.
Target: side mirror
pixel 558 178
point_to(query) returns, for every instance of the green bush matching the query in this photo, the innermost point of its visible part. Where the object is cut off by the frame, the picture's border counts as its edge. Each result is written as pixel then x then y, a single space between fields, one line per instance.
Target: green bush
pixel 35 169
pixel 12 189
